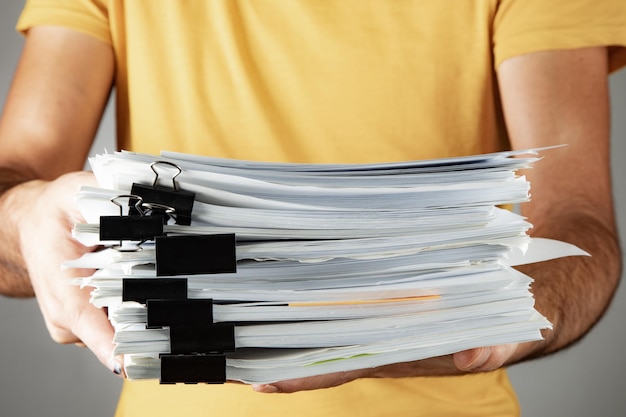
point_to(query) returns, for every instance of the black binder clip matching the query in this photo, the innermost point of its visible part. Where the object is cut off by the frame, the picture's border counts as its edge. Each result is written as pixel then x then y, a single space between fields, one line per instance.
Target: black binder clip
pixel 202 338
pixel 136 228
pixel 193 369
pixel 180 200
pixel 169 313
pixel 143 289
pixel 196 254
pixel 197 345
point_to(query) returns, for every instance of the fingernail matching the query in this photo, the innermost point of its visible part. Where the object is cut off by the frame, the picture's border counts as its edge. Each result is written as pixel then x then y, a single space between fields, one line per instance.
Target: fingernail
pixel 265 388
pixel 115 366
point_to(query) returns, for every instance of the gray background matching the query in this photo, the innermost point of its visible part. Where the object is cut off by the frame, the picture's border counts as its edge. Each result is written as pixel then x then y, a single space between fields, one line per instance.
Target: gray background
pixel 39 377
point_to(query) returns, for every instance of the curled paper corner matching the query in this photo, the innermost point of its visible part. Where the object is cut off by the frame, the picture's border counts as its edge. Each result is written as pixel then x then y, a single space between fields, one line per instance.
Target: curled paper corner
pixel 540 250
pixel 534 151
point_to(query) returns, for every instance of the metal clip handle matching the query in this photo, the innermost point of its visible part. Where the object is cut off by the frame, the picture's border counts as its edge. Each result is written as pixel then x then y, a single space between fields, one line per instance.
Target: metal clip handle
pixel 149 207
pixel 156 178
pixel 138 204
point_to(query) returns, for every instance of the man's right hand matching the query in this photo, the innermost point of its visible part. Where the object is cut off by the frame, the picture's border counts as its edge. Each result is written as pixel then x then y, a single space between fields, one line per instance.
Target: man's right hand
pixel 41 215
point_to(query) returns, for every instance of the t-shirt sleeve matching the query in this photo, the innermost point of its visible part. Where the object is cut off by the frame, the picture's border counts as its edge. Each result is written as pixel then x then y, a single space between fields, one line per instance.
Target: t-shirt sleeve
pixel 525 26
pixel 86 16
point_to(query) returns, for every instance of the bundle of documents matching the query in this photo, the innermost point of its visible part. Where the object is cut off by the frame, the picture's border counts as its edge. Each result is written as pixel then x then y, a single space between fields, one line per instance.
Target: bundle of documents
pixel 335 267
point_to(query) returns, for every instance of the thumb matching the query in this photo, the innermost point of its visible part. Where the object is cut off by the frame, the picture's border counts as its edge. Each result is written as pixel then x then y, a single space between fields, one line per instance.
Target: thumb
pixel 484 358
pixel 471 359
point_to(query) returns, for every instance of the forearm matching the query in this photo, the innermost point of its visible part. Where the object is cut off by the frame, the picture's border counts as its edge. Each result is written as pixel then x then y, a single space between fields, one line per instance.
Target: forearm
pixel 51 114
pixel 14 280
pixel 574 292
pixel 561 98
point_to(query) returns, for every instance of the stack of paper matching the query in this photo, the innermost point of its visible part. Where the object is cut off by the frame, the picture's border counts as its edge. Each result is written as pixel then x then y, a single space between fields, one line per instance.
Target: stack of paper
pixel 339 267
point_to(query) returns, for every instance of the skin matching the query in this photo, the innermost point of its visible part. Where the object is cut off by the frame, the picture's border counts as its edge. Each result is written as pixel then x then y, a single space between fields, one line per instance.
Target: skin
pixel 556 97
pixel 51 115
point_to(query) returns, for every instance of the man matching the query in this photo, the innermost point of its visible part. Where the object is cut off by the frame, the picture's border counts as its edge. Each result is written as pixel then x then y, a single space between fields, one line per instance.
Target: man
pixel 311 81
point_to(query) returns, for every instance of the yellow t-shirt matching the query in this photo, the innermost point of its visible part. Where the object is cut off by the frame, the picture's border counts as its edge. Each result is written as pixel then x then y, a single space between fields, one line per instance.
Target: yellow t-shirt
pixel 324 81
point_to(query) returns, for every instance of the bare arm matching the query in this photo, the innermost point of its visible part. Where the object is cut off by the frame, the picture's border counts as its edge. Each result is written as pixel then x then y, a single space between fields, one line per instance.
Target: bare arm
pixel 55 102
pixel 51 114
pixel 549 98
pixel 562 98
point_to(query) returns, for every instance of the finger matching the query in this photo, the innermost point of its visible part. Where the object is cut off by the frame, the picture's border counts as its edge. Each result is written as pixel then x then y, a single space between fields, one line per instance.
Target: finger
pixel 307 384
pixel 484 358
pixel 93 328
pixel 471 359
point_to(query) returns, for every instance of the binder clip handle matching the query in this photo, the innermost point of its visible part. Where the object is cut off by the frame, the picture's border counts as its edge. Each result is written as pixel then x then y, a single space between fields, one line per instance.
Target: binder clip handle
pixel 149 208
pixel 131 197
pixel 156 173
